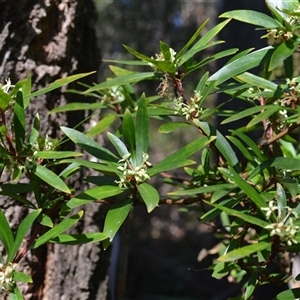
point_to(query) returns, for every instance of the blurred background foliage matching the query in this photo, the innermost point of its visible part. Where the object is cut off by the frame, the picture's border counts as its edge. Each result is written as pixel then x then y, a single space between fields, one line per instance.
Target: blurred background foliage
pixel 167 250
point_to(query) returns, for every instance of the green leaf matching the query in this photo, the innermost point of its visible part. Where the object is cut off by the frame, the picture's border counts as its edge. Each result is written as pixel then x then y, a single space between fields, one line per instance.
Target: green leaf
pixel 89 145
pixel 292 186
pixel 202 190
pixel 102 125
pixel 56 154
pixel 241 65
pixel 77 106
pixel 191 40
pixel 116 216
pixel 22 277
pixel 284 163
pixel 264 115
pixel 252 17
pixel 165 50
pixel 120 71
pixel 170 127
pixel 127 62
pixel 22 230
pixel 131 78
pixel 239 214
pixel 257 81
pixel 118 144
pixel 246 153
pixel 221 143
pixel 291 294
pixel 19 121
pixel 177 158
pixel 245 113
pixel 51 178
pixel 282 52
pixel 203 42
pixel 79 239
pixel 275 6
pixel 281 201
pixel 244 251
pixel 57 230
pixel 26 90
pixel 16 294
pixel 251 284
pixel 149 195
pixel 141 130
pixel 4 100
pixel 95 193
pixel 250 191
pixel 128 130
pixel 35 130
pixel 57 84
pixel 6 234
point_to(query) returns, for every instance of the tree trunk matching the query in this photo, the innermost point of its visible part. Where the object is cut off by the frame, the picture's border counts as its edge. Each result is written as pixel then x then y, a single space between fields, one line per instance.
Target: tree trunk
pixel 52 39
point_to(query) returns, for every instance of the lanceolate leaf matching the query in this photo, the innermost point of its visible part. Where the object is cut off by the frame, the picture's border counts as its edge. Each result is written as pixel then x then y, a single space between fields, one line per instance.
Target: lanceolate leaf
pixel 284 163
pixel 57 230
pixel 282 52
pixel 128 130
pixel 244 186
pixel 102 125
pixel 56 154
pixel 141 130
pixel 93 194
pixel 221 143
pixel 239 214
pixel 19 121
pixel 241 65
pixel 244 251
pixel 57 84
pixel 180 155
pixel 252 17
pixel 6 235
pixel 170 127
pixel 79 239
pixel 131 78
pixel 116 216
pixel 21 233
pixel 51 178
pixel 77 106
pixel 89 145
pixel 149 195
pixel 118 144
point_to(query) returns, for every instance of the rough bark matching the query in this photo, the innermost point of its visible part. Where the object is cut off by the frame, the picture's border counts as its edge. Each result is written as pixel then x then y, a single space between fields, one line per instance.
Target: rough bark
pixel 52 39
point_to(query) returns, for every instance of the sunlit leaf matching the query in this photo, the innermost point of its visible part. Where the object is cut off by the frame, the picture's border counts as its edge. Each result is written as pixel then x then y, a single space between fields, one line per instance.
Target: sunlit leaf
pixel 6 234
pixel 77 106
pixel 79 239
pixel 102 125
pixel 244 251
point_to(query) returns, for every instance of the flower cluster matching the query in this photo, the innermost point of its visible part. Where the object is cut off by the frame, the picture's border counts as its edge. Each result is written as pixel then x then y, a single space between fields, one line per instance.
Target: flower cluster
pixel 160 57
pixel 6 277
pixel 285 229
pixel 6 87
pixel 189 110
pixel 132 174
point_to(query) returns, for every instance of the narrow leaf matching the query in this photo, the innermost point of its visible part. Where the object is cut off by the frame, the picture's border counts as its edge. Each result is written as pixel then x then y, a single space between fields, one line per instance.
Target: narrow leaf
pixel 79 239
pixel 141 130
pixel 51 178
pixel 170 127
pixel 131 78
pixel 57 84
pixel 77 106
pixel 244 251
pixel 101 126
pixel 291 294
pixel 6 235
pixel 89 145
pixel 57 230
pixel 128 130
pixel 252 17
pixel 231 175
pixel 56 154
pixel 118 144
pixel 116 216
pixel 241 65
pixel 22 230
pixel 93 194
